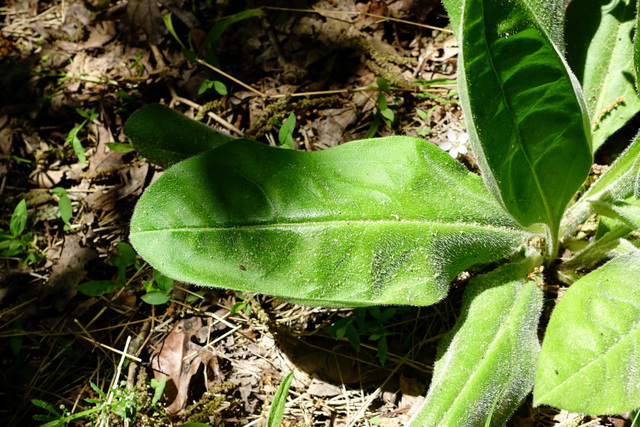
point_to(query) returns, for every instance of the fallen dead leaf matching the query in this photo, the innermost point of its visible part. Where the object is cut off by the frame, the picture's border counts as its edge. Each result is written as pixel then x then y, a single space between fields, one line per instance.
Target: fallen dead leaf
pixel 180 358
pixel 68 271
pixel 146 15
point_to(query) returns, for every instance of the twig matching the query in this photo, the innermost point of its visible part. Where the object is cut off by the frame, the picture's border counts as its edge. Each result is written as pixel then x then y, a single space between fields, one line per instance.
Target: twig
pixel 372 15
pixel 94 341
pixel 230 77
pixel 211 114
pixel 105 422
pixel 136 346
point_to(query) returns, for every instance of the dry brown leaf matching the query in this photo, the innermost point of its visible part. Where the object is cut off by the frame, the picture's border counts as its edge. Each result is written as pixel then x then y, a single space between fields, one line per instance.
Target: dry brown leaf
pixel 103 158
pixel 330 129
pixel 68 272
pixel 146 15
pixel 180 358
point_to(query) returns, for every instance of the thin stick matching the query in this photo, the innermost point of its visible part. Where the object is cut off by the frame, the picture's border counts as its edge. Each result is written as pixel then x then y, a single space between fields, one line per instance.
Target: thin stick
pixel 211 114
pixel 94 341
pixel 117 377
pixel 373 15
pixel 230 77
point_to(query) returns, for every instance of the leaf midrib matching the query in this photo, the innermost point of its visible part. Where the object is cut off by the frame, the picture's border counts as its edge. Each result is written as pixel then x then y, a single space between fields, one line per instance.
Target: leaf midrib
pixel 346 222
pixel 550 218
pixel 499 334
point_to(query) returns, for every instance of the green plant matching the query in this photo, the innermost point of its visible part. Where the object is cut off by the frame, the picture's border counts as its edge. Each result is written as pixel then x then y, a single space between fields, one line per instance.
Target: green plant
pixel 214 34
pixel 16 241
pixel 279 401
pixel 64 206
pixel 73 139
pixel 124 403
pixel 285 134
pixel 157 291
pixel 367 321
pixel 216 85
pixel 382 107
pixel 393 221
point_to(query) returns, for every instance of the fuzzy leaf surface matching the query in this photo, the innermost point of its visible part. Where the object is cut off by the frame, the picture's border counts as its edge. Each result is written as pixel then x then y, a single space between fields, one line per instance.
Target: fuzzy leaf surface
pixel 621 183
pixel 593 338
pixel 549 14
pixel 167 137
pixel 599 35
pixel 381 221
pixel 529 129
pixel 486 364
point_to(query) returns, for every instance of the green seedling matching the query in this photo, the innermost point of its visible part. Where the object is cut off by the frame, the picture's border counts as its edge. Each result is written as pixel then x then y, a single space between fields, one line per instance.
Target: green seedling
pixel 126 259
pixel 368 322
pixel 285 134
pixel 241 305
pixel 425 119
pixel 212 37
pixel 119 147
pixel 220 27
pixel 124 403
pixel 382 108
pixel 158 387
pixel 395 220
pixel 16 242
pixel 73 139
pixel 279 401
pixel 137 64
pixel 64 206
pixel 159 290
pixel 216 85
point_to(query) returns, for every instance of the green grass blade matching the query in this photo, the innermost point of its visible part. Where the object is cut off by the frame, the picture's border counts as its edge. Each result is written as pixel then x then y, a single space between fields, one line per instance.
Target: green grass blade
pixel 279 400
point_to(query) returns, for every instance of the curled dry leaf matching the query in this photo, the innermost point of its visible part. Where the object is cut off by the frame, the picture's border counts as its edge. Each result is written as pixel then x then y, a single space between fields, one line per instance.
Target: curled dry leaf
pixel 182 360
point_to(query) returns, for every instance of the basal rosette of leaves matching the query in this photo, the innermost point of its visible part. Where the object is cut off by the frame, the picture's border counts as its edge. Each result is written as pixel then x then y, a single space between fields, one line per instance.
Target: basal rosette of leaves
pixel 394 220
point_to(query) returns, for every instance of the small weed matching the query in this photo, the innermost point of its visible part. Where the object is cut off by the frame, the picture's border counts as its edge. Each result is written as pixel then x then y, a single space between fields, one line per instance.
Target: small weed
pixel 157 291
pixel 124 403
pixel 216 85
pixel 16 242
pixel 64 206
pixel 383 111
pixel 279 401
pixel 424 119
pixel 285 134
pixel 73 139
pixel 365 321
pixel 241 305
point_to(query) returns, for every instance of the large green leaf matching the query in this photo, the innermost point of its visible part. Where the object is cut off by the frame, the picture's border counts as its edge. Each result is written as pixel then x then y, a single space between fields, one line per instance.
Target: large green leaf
pixel 166 137
pixel 382 221
pixel 599 35
pixel 486 364
pixel 528 126
pixel 621 183
pixel 549 13
pixel 636 52
pixel 589 357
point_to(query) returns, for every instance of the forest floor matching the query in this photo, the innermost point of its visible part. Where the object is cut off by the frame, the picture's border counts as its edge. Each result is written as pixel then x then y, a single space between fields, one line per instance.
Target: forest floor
pixel 71 74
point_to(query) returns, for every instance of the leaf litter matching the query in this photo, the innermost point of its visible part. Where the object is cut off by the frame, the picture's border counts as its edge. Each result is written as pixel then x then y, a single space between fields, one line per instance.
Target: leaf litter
pixel 221 363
